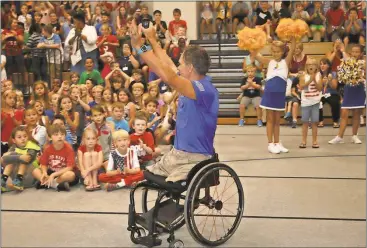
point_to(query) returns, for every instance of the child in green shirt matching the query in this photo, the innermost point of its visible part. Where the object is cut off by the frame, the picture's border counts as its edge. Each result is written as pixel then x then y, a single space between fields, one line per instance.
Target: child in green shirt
pixel 90 73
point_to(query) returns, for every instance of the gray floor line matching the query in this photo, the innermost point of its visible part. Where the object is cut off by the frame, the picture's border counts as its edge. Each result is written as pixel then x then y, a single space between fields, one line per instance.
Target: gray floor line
pixel 298 157
pixel 125 213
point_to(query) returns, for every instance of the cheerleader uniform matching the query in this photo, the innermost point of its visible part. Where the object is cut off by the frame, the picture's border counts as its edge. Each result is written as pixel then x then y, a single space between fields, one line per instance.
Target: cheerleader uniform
pixel 276 84
pixel 354 96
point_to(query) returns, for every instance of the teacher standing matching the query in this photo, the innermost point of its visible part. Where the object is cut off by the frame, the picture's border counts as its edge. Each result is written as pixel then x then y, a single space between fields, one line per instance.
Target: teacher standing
pixel 82 41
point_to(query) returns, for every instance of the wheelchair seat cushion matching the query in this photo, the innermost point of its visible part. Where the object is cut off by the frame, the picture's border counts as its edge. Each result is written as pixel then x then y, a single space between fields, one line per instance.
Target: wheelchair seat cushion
pixel 179 186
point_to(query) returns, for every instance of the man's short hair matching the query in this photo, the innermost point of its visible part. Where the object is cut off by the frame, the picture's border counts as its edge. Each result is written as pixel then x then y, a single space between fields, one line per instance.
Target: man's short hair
pixel 198 58
pixel 178 11
pixel 138 85
pixel 353 9
pixel 157 12
pixel 55 129
pixel 120 134
pixel 119 105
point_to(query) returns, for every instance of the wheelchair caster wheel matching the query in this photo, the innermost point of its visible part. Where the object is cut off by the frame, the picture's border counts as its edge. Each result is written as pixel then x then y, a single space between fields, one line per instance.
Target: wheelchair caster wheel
pixel 137 233
pixel 177 243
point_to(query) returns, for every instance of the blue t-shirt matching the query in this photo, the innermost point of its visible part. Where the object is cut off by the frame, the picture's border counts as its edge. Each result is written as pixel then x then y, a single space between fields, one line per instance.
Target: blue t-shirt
pixel 121 124
pixel 155 125
pixel 197 119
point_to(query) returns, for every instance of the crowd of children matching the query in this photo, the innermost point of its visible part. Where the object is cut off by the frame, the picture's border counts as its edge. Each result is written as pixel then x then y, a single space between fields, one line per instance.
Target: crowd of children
pixel 327 20
pixel 103 124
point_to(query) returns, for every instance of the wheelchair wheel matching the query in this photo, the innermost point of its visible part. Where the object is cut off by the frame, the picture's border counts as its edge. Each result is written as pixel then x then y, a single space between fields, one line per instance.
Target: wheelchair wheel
pixel 149 196
pixel 214 204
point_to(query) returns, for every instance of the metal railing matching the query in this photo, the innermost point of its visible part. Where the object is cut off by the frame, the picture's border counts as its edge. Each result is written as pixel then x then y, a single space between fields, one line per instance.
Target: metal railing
pixel 40 64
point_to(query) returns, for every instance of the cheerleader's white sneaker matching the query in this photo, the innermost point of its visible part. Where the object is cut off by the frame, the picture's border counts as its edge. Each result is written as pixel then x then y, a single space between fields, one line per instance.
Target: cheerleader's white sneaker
pixel 336 140
pixel 272 148
pixel 356 140
pixel 282 148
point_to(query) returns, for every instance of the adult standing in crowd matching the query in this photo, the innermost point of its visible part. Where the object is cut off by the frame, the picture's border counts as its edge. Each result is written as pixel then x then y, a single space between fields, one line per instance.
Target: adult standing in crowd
pixel 13 40
pixel 82 40
pixel 199 101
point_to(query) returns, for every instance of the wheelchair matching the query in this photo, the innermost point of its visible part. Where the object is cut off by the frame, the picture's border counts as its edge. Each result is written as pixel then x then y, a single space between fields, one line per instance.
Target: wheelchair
pixel 212 217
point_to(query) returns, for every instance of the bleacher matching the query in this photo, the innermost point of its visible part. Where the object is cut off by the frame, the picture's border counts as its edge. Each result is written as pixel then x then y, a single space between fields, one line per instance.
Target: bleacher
pixel 227 77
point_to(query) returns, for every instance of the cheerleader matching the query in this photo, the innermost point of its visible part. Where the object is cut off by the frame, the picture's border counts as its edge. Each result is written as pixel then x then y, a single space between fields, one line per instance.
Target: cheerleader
pixel 354 100
pixel 273 99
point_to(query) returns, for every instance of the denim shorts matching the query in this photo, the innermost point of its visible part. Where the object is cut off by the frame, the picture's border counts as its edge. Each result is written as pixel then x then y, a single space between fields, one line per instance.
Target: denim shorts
pixel 310 113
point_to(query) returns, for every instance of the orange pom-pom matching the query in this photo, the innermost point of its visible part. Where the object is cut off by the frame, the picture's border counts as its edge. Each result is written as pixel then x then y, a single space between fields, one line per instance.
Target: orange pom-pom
pixel 300 29
pixel 251 39
pixel 284 29
pixel 289 28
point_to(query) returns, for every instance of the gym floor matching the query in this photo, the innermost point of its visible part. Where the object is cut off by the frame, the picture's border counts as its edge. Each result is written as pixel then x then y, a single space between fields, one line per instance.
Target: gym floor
pixel 308 197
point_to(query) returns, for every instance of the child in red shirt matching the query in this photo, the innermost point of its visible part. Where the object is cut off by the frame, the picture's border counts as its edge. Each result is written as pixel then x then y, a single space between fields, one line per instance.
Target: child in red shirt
pixel 144 139
pixel 107 42
pixel 335 20
pixel 176 23
pixel 90 159
pixel 57 163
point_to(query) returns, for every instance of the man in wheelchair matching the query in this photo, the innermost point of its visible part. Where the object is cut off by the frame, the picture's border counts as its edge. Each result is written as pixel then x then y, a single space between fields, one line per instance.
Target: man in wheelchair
pixel 197 108
pixel 185 180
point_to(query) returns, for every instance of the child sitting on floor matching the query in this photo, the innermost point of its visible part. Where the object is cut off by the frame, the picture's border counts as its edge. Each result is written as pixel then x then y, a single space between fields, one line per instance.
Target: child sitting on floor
pixel 123 165
pixel 90 158
pixel 23 152
pixel 57 163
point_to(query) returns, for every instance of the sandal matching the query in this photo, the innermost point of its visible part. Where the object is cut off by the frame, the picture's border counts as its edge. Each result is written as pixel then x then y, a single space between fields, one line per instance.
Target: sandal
pixel 97 187
pixel 89 188
pixel 302 146
pixel 320 125
pixel 336 125
pixel 315 146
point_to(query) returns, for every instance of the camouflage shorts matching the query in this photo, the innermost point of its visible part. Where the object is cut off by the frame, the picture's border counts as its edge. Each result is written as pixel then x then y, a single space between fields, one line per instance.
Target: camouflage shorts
pixel 176 165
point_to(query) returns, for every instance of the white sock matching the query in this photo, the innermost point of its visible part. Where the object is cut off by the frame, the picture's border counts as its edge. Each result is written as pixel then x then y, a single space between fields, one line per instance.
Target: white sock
pixel 121 184
pixel 54 184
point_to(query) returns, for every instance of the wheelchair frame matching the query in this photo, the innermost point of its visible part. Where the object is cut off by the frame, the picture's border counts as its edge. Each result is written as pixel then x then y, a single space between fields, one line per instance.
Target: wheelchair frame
pixel 167 216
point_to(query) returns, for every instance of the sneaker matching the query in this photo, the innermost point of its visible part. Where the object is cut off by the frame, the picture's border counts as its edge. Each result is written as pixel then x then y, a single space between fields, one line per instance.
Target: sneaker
pixel 38 185
pixel 294 124
pixel 111 187
pixel 259 123
pixel 64 186
pixel 241 123
pixel 272 148
pixel 288 115
pixel 282 148
pixel 3 186
pixel 356 140
pixel 336 140
pixel 17 184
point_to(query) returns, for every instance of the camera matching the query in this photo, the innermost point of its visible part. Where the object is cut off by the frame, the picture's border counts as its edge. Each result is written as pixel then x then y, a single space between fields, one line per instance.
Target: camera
pixel 145 23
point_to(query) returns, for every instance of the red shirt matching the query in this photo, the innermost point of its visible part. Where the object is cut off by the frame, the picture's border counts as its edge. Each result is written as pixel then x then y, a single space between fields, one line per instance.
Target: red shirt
pixel 105 71
pixel 9 124
pixel 12 47
pixel 147 139
pixel 174 25
pixel 57 160
pixel 335 17
pixel 103 48
pixel 83 148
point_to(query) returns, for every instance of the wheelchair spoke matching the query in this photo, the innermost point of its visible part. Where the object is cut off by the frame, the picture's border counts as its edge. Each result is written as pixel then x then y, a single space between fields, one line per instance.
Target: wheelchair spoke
pixel 230 197
pixel 205 221
pixel 227 189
